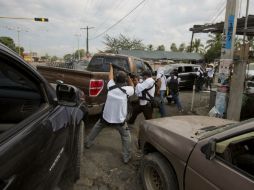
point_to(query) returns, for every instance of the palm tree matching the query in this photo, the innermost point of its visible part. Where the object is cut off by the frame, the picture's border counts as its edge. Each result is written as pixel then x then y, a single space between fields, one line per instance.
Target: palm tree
pixel 173 47
pixel 150 47
pixel 182 47
pixel 198 47
pixel 214 40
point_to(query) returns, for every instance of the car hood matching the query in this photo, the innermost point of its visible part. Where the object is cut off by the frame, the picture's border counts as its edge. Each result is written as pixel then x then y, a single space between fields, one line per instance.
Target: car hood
pixel 250 73
pixel 179 133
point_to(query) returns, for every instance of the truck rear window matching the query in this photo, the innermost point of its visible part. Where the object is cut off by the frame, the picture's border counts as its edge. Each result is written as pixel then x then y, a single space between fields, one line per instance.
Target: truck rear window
pixel 101 64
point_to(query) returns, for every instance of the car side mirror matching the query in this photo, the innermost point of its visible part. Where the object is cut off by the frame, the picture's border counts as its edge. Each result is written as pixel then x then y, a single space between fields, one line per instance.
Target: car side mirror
pixel 67 95
pixel 210 149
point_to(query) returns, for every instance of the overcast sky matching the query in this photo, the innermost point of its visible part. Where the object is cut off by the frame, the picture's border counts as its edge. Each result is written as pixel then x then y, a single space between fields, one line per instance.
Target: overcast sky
pixel 155 21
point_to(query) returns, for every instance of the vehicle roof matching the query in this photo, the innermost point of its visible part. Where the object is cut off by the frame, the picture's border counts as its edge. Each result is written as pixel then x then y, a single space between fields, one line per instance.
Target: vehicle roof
pixel 187 126
pixel 183 64
pixel 116 55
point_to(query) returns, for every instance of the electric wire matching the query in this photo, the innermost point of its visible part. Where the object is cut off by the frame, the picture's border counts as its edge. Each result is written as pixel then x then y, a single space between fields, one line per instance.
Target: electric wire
pixel 217 7
pixel 120 20
pixel 104 22
pixel 223 8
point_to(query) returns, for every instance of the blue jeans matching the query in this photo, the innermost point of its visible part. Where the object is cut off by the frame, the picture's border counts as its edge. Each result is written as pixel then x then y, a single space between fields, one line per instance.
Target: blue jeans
pixel 175 97
pixel 162 105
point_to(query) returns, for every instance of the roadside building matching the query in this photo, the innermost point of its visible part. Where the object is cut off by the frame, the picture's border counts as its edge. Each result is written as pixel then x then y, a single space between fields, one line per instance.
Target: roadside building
pixel 158 58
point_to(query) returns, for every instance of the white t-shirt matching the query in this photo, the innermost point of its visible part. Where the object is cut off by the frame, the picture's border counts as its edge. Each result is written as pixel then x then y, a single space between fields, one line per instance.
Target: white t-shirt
pixel 210 72
pixel 115 110
pixel 163 80
pixel 175 77
pixel 146 84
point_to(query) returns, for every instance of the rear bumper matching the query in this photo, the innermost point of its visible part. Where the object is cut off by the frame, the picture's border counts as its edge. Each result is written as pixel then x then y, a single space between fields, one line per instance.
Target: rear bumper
pixel 95 109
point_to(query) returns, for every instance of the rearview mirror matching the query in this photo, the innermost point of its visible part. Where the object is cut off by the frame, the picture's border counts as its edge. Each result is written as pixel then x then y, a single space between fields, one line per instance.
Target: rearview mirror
pixel 67 95
pixel 210 149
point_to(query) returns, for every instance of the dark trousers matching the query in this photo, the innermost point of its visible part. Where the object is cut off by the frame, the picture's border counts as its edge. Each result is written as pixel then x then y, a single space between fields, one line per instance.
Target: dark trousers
pixel 147 110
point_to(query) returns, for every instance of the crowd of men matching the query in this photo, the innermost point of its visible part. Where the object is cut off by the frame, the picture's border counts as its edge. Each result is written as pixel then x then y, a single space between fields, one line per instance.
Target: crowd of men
pixel 150 92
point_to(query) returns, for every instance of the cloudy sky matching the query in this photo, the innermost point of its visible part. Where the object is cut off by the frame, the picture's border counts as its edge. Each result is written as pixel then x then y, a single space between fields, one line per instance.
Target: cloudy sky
pixel 155 21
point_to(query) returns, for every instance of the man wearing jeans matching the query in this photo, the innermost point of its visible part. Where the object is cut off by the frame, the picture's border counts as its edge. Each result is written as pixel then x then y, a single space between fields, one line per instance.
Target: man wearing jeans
pixel 173 84
pixel 162 83
pixel 115 111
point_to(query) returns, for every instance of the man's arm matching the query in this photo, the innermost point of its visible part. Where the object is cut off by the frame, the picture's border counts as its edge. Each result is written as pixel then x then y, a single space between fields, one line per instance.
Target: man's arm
pixel 130 82
pixel 111 72
pixel 158 87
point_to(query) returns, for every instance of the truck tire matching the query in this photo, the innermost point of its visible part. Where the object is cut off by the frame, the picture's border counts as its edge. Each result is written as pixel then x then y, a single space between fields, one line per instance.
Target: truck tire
pixel 78 151
pixel 157 174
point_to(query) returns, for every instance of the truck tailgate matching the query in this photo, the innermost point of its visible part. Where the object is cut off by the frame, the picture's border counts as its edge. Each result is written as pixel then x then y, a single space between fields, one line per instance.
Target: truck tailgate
pixel 80 79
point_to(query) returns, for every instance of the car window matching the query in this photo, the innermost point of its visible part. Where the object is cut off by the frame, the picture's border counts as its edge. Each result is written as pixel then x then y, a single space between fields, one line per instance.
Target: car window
pixel 20 95
pixel 139 65
pixel 101 64
pixel 180 69
pixel 188 69
pixel 238 151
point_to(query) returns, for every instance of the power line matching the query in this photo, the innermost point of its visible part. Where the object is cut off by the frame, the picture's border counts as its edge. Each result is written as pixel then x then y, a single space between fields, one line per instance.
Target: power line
pixel 107 18
pixel 120 20
pixel 217 7
pixel 219 13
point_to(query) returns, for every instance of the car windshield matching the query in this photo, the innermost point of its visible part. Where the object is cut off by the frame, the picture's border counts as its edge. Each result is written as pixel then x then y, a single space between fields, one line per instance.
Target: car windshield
pixel 251 66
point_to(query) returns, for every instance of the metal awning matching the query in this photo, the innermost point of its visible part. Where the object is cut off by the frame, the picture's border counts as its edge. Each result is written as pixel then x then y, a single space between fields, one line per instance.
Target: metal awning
pixel 218 27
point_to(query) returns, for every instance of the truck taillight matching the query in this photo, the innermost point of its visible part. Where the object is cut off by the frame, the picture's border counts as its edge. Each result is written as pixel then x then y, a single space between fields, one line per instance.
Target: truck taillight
pixel 95 87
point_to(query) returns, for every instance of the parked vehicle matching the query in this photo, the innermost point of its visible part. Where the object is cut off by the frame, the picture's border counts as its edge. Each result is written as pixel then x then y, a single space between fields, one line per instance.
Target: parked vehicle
pixel 197 152
pixel 186 72
pixel 93 80
pixel 41 129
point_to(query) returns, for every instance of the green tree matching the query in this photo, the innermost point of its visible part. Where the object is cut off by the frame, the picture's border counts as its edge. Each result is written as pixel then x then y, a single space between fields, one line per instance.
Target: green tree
pixel 161 48
pixel 213 47
pixel 9 42
pixel 68 57
pixel 150 47
pixel 122 43
pixel 182 47
pixel 173 47
pixel 82 53
pixel 198 47
pixel 54 58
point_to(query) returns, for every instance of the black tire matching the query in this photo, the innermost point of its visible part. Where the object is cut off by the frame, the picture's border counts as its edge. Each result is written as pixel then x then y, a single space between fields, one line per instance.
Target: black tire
pixel 157 173
pixel 78 151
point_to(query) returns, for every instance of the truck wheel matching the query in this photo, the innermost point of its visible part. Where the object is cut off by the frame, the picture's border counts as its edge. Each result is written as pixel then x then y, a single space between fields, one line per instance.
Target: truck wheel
pixel 78 151
pixel 157 174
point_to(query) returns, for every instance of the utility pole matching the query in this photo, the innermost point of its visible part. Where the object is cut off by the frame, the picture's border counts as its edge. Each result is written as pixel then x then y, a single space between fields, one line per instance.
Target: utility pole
pixel 78 36
pixel 238 78
pixel 226 60
pixel 87 28
pixel 18 30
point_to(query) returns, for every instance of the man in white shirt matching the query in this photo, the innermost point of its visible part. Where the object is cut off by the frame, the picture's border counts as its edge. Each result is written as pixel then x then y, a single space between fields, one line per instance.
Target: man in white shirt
pixel 210 73
pixel 115 111
pixel 162 87
pixel 145 91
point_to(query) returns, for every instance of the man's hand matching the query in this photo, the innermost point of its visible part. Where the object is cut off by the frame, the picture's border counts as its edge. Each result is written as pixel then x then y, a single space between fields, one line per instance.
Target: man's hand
pixel 111 72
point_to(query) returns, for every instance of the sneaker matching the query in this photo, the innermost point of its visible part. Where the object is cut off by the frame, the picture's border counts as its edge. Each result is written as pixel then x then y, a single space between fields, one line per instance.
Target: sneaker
pixel 126 160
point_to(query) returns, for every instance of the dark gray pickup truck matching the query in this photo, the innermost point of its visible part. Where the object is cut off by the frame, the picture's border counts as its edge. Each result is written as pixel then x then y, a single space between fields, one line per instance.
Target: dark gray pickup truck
pixel 41 129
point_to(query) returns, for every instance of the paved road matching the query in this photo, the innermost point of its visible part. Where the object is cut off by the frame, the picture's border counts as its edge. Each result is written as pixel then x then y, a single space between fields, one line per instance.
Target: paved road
pixel 103 168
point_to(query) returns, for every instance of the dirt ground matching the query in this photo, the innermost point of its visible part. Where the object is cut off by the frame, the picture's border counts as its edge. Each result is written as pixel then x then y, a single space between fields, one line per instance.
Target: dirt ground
pixel 102 166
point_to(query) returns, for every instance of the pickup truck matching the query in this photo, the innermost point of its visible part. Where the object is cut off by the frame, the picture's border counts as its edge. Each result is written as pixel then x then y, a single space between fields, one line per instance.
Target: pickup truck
pixel 93 80
pixel 197 153
pixel 41 128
